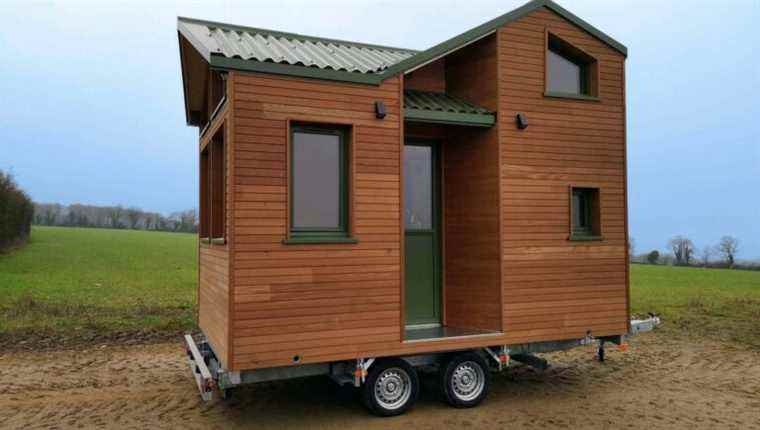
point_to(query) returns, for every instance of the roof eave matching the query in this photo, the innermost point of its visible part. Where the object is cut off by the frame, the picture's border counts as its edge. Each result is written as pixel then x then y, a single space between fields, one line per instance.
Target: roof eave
pixel 452 118
pixel 483 30
pixel 221 62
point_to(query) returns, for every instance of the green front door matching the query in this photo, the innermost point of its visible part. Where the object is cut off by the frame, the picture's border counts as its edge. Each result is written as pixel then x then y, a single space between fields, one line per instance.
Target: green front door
pixel 422 234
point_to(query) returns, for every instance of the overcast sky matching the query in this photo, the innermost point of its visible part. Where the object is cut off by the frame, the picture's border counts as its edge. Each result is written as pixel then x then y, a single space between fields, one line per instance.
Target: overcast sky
pixel 91 107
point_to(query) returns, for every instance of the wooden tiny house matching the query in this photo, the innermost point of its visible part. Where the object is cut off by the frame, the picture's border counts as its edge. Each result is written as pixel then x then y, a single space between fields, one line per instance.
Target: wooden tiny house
pixel 365 201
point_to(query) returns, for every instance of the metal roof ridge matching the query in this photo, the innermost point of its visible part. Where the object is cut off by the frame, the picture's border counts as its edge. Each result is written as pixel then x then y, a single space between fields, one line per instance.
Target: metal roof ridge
pixel 476 33
pixel 277 33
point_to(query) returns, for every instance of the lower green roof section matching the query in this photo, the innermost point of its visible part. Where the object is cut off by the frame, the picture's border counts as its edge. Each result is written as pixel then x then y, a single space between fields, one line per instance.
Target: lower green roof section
pixel 442 108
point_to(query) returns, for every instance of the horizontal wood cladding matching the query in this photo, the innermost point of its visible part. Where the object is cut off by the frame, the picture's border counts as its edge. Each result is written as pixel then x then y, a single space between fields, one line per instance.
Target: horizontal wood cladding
pixel 554 288
pixel 213 297
pixel 300 299
pixel 472 259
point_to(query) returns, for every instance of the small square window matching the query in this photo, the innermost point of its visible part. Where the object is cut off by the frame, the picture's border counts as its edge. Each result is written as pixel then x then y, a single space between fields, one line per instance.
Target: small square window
pixel 585 213
pixel 569 71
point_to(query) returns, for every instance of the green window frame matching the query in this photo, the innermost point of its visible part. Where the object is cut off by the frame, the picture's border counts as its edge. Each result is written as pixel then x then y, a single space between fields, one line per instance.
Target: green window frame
pixel 327 233
pixel 588 67
pixel 585 214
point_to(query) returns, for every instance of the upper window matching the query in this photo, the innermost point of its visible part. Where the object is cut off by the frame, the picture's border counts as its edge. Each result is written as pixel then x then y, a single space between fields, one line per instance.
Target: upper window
pixel 585 213
pixel 569 71
pixel 319 202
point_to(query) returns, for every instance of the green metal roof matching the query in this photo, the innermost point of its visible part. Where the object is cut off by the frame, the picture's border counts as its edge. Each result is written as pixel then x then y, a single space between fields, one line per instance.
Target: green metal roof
pixel 227 46
pixel 444 48
pixel 213 39
pixel 442 108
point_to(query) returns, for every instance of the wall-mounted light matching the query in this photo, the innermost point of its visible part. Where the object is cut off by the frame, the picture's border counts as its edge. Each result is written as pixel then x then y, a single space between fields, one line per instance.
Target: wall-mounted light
pixel 522 121
pixel 380 110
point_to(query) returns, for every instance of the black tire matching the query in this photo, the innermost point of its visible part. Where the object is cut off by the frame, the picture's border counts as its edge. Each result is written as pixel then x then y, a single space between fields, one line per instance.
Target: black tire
pixel 383 379
pixel 464 380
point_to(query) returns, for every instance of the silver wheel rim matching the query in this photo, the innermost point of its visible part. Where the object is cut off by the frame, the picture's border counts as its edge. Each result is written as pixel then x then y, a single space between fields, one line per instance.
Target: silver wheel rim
pixel 393 388
pixel 467 381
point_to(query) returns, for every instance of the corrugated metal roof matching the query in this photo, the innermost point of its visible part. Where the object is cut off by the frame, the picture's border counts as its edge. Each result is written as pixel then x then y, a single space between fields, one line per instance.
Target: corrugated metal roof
pixel 231 41
pixel 442 108
pixel 441 102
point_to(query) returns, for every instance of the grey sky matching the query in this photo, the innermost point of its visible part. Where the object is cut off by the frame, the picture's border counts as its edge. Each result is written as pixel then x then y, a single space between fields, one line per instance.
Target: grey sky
pixel 92 110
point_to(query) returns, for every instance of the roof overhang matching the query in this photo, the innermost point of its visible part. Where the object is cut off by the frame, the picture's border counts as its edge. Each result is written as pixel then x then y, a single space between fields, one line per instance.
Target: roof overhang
pixel 442 108
pixel 442 49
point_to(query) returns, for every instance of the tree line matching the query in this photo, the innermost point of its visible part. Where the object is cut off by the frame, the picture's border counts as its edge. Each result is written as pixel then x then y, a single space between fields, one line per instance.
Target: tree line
pixel 16 210
pixel 683 252
pixel 116 217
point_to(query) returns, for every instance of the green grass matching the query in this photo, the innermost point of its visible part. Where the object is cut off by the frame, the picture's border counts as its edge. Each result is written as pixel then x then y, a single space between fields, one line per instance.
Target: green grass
pixel 70 281
pixel 75 280
pixel 720 304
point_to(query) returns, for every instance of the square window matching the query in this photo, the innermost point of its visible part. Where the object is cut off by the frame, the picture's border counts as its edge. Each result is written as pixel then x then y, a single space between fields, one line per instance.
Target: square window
pixel 584 213
pixel 569 71
pixel 319 181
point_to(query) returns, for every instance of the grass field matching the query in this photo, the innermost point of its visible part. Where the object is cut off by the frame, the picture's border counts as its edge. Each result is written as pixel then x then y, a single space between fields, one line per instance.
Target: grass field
pixel 715 303
pixel 72 281
pixel 81 281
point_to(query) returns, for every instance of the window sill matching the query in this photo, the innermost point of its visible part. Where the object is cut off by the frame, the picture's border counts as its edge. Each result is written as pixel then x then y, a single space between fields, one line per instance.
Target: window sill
pixel 571 96
pixel 584 238
pixel 312 240
pixel 214 241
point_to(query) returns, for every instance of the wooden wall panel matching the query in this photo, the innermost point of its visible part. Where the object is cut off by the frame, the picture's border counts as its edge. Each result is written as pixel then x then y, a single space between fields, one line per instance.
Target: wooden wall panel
pixel 471 196
pixel 431 77
pixel 214 283
pixel 300 300
pixel 554 288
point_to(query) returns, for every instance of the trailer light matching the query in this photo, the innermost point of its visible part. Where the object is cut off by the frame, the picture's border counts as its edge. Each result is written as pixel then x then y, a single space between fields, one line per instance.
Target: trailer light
pixel 504 358
pixel 623 347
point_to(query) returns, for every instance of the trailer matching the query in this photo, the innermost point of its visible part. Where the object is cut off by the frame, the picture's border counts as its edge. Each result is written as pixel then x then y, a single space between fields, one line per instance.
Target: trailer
pixel 390 385
pixel 367 210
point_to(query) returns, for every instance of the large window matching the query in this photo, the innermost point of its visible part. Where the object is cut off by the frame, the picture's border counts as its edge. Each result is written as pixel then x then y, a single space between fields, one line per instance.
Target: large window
pixel 569 71
pixel 585 213
pixel 213 176
pixel 319 182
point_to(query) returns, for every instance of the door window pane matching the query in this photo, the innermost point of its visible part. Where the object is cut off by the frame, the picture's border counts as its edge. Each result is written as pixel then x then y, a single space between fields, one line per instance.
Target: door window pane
pixel 316 181
pixel 418 187
pixel 564 75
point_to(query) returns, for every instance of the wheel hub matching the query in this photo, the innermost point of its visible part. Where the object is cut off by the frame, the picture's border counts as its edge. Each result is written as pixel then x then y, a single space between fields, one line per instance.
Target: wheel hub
pixel 393 388
pixel 467 381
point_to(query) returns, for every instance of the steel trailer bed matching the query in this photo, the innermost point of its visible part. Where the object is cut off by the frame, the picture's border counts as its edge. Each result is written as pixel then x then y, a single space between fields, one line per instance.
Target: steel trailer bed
pixel 212 380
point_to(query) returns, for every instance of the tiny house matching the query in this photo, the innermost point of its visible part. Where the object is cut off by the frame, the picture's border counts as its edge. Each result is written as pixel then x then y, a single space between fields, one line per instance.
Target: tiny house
pixel 366 209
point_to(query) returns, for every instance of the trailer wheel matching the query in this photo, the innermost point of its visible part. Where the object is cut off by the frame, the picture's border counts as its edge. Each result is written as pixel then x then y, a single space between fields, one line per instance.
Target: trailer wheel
pixel 391 387
pixel 465 380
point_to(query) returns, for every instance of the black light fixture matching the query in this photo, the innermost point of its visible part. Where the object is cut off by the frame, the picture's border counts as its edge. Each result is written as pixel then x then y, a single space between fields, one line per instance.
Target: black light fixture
pixel 522 121
pixel 379 110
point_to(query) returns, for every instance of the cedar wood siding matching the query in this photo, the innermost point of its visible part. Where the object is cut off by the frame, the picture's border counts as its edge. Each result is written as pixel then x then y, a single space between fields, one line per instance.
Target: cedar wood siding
pixel 213 260
pixel 471 196
pixel 319 300
pixel 554 288
pixel 328 302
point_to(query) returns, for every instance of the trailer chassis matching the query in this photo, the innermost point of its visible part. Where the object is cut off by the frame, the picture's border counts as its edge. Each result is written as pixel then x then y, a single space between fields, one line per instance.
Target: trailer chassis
pixel 211 379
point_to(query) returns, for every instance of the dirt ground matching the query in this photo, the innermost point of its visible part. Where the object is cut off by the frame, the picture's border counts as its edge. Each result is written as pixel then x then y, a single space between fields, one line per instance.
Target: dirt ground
pixel 658 383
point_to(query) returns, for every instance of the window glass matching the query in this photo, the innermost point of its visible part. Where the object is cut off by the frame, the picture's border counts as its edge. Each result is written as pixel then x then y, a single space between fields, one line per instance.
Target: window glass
pixel 580 210
pixel 565 76
pixel 316 181
pixel 418 187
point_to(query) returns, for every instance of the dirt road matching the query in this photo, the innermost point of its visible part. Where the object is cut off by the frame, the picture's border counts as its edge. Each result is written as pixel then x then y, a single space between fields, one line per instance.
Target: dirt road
pixel 658 383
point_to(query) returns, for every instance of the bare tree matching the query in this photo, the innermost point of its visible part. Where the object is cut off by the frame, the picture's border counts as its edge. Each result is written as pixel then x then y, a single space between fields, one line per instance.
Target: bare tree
pixel 683 250
pixel 114 215
pixel 133 216
pixel 707 252
pixel 631 248
pixel 728 248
